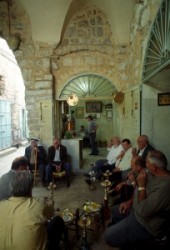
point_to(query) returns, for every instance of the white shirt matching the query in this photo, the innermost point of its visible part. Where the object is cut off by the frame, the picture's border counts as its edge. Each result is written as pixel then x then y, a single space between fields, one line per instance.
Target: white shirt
pixel 141 151
pixel 113 153
pixel 57 155
pixel 125 162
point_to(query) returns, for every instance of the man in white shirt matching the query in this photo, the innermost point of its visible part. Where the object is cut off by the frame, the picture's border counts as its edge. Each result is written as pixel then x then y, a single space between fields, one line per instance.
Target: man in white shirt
pixel 123 162
pixel 114 149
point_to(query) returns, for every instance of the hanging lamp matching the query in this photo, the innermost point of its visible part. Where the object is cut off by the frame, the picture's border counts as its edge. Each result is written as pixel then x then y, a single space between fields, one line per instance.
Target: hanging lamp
pixel 72 100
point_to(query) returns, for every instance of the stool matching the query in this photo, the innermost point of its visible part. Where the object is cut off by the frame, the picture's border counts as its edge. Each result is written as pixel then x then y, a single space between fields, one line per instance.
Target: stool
pixel 58 175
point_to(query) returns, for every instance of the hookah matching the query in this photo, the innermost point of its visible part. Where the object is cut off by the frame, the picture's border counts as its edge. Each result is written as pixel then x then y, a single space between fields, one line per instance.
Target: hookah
pixel 35 171
pixel 84 222
pixel 106 184
pixel 92 179
pixel 50 197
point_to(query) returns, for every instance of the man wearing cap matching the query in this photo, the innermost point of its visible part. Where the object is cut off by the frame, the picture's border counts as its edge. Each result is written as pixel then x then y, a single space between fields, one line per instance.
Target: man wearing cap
pixel 36 156
pixel 92 127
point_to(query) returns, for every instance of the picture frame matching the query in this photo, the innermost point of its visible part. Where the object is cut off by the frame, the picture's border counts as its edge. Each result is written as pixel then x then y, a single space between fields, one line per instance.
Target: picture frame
pixel 94 107
pixel 79 112
pixel 163 99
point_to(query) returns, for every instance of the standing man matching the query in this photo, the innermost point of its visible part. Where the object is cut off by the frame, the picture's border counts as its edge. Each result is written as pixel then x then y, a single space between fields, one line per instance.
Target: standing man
pixel 36 156
pixel 92 127
pixel 57 160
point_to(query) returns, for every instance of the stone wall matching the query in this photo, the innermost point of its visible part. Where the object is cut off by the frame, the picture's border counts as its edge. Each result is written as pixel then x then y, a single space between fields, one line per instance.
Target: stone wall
pixel 87 46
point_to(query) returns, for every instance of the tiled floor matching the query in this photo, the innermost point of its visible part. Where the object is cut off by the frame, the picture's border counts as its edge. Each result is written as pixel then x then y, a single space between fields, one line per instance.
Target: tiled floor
pixel 73 197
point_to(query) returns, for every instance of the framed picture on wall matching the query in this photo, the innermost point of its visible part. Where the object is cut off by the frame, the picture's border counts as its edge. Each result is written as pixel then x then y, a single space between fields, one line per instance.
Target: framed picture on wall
pixel 79 112
pixel 94 107
pixel 163 99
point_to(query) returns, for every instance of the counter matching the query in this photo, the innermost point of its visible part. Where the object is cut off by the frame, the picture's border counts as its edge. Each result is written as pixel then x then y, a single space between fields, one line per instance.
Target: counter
pixel 75 152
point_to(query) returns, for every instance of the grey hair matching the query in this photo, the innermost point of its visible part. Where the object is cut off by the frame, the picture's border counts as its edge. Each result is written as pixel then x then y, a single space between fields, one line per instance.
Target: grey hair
pixel 22 183
pixel 157 158
pixel 145 137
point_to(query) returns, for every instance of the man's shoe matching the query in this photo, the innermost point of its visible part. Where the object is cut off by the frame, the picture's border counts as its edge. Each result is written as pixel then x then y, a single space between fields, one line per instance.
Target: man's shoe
pixel 49 187
pixel 68 183
pixel 88 182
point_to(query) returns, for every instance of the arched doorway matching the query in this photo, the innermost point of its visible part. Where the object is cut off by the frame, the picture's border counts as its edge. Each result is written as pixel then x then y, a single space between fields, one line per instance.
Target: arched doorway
pixel 12 99
pixel 91 88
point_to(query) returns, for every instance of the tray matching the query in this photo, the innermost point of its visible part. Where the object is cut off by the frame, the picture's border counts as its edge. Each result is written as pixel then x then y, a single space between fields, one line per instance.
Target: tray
pixel 91 207
pixel 106 183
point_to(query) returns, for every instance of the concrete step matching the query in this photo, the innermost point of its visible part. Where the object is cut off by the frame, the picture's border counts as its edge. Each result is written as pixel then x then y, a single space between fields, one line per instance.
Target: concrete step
pixel 7 151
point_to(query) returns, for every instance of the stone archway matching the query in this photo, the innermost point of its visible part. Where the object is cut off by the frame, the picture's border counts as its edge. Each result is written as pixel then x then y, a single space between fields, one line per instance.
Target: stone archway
pixel 12 99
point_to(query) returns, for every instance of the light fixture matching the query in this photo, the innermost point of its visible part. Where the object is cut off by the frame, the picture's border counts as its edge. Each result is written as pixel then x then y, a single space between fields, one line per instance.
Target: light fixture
pixel 118 97
pixel 72 100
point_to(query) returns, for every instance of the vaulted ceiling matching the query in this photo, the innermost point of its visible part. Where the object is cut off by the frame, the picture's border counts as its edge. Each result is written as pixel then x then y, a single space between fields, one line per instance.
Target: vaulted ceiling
pixel 49 18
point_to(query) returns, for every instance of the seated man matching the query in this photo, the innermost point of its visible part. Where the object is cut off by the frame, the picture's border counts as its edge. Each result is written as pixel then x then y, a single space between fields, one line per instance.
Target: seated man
pixel 36 156
pixel 122 165
pixel 57 161
pixel 123 161
pixel 143 149
pixel 18 164
pixel 114 148
pixel 143 146
pixel 126 187
pixel 148 219
pixel 24 220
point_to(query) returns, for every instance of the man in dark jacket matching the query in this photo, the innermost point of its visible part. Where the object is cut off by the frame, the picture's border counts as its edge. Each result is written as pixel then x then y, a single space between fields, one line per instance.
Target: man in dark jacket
pixel 36 156
pixel 143 146
pixel 57 161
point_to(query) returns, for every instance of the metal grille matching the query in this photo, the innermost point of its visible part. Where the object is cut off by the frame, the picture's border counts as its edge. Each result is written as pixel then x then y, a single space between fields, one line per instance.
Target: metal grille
pixel 89 85
pixel 158 50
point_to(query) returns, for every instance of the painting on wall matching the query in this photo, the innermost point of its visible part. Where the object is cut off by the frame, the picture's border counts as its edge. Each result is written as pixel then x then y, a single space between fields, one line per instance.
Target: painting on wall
pixel 79 112
pixel 94 107
pixel 163 99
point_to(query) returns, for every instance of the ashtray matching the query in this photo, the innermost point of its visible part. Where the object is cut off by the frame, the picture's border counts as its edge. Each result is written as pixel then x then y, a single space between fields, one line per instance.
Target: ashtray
pixel 67 217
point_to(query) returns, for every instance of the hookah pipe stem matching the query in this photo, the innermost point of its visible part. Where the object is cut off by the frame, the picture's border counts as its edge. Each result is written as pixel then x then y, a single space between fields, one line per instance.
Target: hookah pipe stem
pixel 35 171
pixel 52 193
